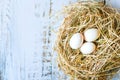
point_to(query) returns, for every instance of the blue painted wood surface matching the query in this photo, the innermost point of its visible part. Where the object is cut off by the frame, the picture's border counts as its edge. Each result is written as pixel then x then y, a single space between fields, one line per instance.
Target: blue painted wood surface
pixel 26 39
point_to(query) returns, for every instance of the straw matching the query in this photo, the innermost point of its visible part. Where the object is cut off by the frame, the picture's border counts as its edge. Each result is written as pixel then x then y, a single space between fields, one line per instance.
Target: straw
pixel 105 61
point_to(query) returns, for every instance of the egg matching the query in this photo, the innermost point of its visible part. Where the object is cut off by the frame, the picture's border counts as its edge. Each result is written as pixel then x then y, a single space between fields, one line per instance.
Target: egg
pixel 88 48
pixel 91 34
pixel 76 41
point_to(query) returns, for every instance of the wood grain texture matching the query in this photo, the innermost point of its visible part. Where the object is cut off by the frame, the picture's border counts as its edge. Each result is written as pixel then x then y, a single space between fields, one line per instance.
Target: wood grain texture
pixel 26 39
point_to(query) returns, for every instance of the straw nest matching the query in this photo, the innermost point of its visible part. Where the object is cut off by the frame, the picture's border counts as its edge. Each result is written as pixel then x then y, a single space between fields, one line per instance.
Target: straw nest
pixel 105 61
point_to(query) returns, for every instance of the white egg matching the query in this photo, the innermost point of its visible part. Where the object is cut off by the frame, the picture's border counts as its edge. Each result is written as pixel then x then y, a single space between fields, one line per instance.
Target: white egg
pixel 88 48
pixel 76 41
pixel 91 34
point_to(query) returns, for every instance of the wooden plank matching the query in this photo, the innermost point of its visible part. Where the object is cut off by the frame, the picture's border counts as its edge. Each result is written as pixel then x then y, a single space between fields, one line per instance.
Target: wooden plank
pixel 5 22
pixel 114 3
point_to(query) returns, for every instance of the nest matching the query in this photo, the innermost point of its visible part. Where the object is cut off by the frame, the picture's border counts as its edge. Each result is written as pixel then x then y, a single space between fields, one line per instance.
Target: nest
pixel 105 61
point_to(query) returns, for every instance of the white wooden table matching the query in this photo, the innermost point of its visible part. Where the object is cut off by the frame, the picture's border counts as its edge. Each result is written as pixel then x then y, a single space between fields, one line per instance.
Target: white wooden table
pixel 26 39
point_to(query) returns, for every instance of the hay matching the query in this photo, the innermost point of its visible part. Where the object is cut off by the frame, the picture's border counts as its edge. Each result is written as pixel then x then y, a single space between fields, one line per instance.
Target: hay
pixel 105 61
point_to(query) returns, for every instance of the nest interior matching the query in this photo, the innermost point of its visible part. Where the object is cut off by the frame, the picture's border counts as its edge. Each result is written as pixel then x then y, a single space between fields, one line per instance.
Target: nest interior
pixel 105 61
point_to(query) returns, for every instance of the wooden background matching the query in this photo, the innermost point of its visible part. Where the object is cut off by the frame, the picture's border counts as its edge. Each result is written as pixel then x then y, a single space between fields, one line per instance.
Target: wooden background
pixel 26 39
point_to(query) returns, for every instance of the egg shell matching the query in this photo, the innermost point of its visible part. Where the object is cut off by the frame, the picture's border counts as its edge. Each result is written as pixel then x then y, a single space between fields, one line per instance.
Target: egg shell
pixel 76 41
pixel 91 34
pixel 88 48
